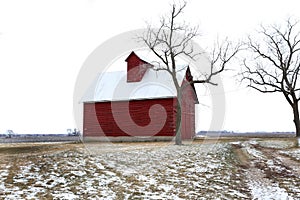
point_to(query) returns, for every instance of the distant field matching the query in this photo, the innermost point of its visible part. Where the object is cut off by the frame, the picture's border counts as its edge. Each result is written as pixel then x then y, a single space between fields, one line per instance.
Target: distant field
pixel 53 138
pixel 203 169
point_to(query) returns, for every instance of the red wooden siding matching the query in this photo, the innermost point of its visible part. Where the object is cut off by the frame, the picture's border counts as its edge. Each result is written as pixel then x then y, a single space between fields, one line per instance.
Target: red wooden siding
pixel 136 68
pixel 100 113
pixel 188 113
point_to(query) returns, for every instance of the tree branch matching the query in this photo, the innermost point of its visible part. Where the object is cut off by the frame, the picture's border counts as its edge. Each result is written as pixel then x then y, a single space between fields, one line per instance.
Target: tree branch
pixel 276 65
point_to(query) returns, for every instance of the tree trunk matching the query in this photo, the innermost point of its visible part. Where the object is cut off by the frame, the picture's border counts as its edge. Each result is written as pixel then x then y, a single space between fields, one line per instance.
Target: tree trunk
pixel 296 118
pixel 178 140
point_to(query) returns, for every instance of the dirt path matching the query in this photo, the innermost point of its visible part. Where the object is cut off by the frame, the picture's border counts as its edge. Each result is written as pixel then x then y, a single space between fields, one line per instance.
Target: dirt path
pixel 268 171
pixel 285 160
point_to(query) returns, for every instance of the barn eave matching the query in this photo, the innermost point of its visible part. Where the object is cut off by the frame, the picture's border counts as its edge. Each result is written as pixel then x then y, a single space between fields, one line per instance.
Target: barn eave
pixel 135 99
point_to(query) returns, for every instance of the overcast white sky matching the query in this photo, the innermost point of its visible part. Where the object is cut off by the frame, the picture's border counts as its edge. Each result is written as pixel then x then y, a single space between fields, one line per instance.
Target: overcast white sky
pixel 43 45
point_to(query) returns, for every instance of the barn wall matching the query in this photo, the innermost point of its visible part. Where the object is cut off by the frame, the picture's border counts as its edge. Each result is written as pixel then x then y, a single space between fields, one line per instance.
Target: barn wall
pixel 188 113
pixel 100 114
pixel 91 125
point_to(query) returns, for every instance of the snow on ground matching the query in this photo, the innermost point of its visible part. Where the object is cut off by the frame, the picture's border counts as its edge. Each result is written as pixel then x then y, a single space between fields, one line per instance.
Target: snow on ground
pixel 277 144
pixel 269 177
pixel 295 153
pixel 147 171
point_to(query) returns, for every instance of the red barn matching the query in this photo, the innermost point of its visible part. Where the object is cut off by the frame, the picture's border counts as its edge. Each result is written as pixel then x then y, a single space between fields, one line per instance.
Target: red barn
pixel 138 104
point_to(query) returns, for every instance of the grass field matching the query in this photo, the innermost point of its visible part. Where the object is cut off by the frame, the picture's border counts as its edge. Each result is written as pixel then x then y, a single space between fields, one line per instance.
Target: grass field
pixel 203 169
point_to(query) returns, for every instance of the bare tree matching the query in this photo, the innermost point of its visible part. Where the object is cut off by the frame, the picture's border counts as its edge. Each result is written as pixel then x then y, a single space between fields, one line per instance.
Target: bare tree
pixel 172 40
pixel 276 65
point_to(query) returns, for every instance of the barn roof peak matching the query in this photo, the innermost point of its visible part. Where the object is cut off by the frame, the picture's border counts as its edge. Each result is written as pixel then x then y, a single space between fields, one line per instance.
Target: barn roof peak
pixel 134 54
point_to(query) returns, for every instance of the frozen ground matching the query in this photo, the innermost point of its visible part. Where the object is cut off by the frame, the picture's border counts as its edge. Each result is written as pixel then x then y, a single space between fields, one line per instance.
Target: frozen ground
pixel 249 169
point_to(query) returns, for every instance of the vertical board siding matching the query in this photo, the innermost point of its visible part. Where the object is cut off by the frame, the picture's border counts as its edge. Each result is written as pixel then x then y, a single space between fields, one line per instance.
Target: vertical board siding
pixel 188 113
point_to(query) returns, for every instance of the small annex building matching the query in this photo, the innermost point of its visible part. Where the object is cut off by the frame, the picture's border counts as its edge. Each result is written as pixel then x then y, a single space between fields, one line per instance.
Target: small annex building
pixel 138 104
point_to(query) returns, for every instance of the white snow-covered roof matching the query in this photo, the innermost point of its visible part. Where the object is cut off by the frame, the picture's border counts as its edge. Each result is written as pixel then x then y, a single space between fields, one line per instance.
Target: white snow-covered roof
pixel 113 86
